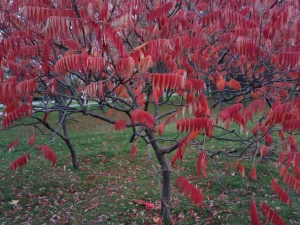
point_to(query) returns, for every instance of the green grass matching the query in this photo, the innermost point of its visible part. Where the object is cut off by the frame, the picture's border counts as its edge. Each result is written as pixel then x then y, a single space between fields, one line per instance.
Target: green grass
pixel 104 190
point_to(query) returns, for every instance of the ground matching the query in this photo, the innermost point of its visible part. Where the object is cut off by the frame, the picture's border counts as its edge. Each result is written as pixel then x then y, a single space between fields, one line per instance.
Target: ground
pixel 104 190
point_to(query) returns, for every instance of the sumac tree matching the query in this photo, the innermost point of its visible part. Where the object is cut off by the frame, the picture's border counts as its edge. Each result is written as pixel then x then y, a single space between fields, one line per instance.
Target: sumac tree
pixel 127 55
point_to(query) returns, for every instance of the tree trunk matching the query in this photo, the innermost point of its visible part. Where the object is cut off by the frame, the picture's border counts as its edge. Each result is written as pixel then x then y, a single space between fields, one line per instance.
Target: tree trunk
pixel 68 141
pixel 166 190
pixel 166 173
pixel 73 153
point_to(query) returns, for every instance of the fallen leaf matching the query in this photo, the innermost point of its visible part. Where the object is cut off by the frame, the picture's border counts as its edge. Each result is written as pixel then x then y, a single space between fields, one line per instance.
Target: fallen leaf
pixel 147 204
pixel 14 202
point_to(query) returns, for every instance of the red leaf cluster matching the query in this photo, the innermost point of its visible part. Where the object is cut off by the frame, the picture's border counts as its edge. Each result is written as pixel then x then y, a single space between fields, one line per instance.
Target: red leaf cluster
pixel 271 215
pixel 196 124
pixel 114 37
pixel 18 113
pixel 120 125
pixel 26 87
pixel 291 125
pixel 190 189
pixel 19 162
pixel 59 26
pixel 248 48
pixel 142 117
pixel 280 192
pixel 39 14
pixel 125 67
pixel 48 153
pixel 291 181
pixel 94 90
pixel 13 145
pixel 197 84
pixel 160 11
pixel 229 113
pixel 168 81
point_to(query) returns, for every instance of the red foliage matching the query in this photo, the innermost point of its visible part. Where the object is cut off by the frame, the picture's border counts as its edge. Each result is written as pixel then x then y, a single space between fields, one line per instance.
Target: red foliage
pixel 271 215
pixel 48 153
pixel 120 125
pixel 168 81
pixel 190 189
pixel 13 145
pixel 160 11
pixel 94 90
pixel 227 114
pixel 291 181
pixel 196 124
pixel 142 117
pixel 253 173
pixel 202 163
pixel 113 36
pixel 254 214
pixel 241 169
pixel 161 128
pixel 282 194
pixel 148 205
pixel 133 150
pixel 19 162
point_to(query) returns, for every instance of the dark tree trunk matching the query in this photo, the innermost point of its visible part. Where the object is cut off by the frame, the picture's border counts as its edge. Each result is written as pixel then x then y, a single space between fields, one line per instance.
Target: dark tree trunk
pixel 166 173
pixel 166 191
pixel 70 146
pixel 68 141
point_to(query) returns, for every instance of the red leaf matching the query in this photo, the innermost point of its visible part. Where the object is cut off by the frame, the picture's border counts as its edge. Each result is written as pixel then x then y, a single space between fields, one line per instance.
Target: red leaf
pixel 147 204
pixel 271 215
pixel 142 117
pixel 202 163
pixel 46 115
pixel 133 150
pixel 32 140
pixel 253 173
pixel 282 194
pixel 235 85
pixel 19 162
pixel 263 150
pixel 48 153
pixel 13 145
pixel 161 128
pixel 254 214
pixel 158 12
pixel 292 182
pixel 189 189
pixel 241 169
pixel 120 125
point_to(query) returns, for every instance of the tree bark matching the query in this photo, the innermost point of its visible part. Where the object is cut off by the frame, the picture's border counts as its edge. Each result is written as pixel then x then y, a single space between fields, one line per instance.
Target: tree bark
pixel 166 174
pixel 68 141
pixel 166 191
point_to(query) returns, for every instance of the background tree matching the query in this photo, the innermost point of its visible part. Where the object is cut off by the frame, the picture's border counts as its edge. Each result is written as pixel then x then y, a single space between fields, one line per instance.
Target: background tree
pixel 126 55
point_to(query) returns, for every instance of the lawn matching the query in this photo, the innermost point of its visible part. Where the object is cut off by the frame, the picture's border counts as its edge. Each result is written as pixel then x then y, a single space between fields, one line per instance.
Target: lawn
pixel 104 190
